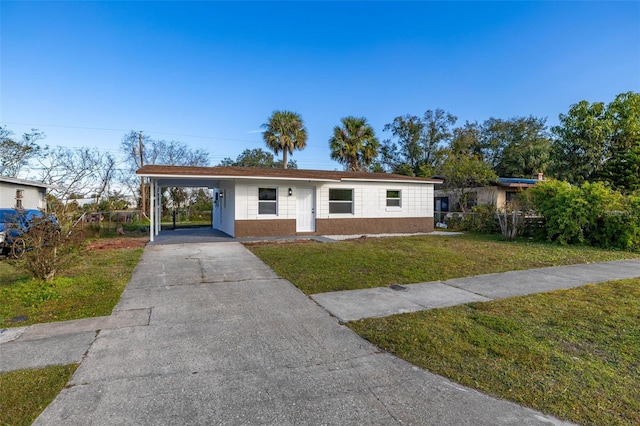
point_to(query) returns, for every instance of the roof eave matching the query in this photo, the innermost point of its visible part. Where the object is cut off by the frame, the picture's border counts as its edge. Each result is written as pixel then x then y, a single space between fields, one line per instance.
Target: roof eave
pixel 233 177
pixel 392 180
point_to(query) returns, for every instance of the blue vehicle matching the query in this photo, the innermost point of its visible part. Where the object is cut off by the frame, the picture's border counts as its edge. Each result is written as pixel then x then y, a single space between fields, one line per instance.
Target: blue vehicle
pixel 13 224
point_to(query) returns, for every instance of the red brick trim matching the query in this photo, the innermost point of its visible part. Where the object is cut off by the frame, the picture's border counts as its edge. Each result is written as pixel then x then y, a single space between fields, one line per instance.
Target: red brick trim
pixel 286 227
pixel 374 225
pixel 265 228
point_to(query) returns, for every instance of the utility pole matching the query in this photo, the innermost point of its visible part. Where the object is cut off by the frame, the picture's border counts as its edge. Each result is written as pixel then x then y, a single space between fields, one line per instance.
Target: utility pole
pixel 143 192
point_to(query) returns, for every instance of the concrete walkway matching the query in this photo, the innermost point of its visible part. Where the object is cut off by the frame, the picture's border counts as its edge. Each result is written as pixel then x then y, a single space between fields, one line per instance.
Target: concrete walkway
pixel 381 302
pixel 215 337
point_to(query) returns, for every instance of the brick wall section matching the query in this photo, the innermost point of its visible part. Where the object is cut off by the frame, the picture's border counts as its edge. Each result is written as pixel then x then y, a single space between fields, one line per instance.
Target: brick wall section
pixel 265 228
pixel 287 227
pixel 374 225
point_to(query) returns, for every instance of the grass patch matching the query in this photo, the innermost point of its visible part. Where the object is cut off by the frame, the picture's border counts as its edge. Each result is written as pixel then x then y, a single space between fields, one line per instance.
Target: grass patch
pixel 379 262
pixel 90 287
pixel 24 394
pixel 573 353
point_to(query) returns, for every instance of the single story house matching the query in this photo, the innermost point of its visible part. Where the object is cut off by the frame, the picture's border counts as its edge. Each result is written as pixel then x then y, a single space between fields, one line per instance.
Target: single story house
pixel 498 194
pixel 22 194
pixel 256 202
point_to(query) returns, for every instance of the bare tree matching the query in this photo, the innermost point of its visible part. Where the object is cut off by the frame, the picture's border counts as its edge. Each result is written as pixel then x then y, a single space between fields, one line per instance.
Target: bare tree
pixel 81 173
pixel 140 149
pixel 15 154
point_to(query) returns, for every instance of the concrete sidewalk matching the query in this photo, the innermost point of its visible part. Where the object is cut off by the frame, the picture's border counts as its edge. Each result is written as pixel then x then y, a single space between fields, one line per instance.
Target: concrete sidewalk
pixel 384 301
pixel 226 341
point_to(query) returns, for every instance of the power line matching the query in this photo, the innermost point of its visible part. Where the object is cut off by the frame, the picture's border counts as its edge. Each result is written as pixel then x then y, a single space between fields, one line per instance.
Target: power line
pixel 107 129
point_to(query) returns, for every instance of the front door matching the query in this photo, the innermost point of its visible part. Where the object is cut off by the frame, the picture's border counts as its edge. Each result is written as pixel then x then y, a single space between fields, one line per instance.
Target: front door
pixel 305 210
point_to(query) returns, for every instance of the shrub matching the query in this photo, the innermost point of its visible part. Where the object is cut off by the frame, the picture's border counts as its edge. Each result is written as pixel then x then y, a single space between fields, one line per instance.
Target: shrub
pixel 46 248
pixel 481 220
pixel 592 214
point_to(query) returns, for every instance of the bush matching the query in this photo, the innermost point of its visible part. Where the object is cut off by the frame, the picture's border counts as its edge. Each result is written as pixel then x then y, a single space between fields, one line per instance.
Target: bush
pixel 481 220
pixel 46 248
pixel 592 214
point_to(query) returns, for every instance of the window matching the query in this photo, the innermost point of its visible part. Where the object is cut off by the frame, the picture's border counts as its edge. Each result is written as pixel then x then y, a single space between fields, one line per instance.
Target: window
pixel 394 198
pixel 341 201
pixel 511 196
pixel 19 195
pixel 472 199
pixel 267 201
pixel 442 204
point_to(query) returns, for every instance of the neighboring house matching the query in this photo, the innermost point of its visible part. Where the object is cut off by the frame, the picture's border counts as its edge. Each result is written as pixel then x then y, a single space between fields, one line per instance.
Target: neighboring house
pixel 252 202
pixel 22 194
pixel 498 194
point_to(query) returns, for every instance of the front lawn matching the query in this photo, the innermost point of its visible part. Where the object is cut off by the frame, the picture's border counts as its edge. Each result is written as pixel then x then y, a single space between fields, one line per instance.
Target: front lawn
pixel 90 287
pixel 24 394
pixel 574 354
pixel 378 262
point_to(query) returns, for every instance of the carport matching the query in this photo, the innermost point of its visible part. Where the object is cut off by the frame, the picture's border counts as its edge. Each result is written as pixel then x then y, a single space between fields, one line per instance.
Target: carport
pixel 164 180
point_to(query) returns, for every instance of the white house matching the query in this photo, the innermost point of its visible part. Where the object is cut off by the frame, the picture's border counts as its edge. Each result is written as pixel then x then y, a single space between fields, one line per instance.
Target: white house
pixel 22 194
pixel 252 202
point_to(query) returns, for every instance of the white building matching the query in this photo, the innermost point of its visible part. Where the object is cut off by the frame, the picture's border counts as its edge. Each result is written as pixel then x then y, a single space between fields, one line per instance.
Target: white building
pixel 22 194
pixel 252 202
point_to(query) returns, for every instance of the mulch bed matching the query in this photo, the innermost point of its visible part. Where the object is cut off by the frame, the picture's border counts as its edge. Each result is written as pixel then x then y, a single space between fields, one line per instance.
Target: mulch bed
pixel 117 243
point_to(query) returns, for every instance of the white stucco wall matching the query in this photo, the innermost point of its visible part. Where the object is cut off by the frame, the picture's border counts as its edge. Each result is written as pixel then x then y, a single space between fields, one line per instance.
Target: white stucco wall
pixel 247 200
pixel 369 199
pixel 32 197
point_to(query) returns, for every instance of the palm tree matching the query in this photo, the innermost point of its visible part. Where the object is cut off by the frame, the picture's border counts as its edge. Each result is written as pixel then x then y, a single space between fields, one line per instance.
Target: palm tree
pixel 354 144
pixel 285 132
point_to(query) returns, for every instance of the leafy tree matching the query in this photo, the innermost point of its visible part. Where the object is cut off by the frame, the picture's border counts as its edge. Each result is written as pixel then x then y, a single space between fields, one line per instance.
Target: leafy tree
pixel 580 147
pixel 463 168
pixel 285 131
pixel 622 169
pixel 407 151
pixel 15 154
pixel 257 158
pixel 464 172
pixel 437 133
pixel 517 147
pixel 467 140
pixel 354 144
pixel 418 149
pixel 597 142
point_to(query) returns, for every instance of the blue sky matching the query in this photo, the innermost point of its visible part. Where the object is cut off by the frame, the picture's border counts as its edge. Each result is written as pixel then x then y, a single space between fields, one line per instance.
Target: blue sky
pixel 210 73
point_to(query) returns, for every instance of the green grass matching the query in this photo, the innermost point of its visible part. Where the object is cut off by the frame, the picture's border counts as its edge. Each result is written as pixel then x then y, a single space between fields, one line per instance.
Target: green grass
pixel 24 394
pixel 573 353
pixel 90 287
pixel 378 262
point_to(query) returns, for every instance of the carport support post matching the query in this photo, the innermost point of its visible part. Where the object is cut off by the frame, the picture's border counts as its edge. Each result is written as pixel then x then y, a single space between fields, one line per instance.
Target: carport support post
pixel 158 209
pixel 152 210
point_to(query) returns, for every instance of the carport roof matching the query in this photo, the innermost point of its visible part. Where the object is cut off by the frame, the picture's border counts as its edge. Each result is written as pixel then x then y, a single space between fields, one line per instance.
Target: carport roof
pixel 223 173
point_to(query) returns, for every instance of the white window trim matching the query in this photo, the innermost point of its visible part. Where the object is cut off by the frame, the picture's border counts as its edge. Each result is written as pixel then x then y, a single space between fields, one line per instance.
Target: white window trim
pixel 393 208
pixel 352 202
pixel 268 201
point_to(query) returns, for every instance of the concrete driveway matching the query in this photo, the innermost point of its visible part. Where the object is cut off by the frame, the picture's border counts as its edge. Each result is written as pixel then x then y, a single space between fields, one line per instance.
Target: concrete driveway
pixel 229 342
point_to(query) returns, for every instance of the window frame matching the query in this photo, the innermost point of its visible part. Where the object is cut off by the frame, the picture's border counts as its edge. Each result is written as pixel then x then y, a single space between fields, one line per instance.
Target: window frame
pixel 19 197
pixel 397 199
pixel 337 202
pixel 264 202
